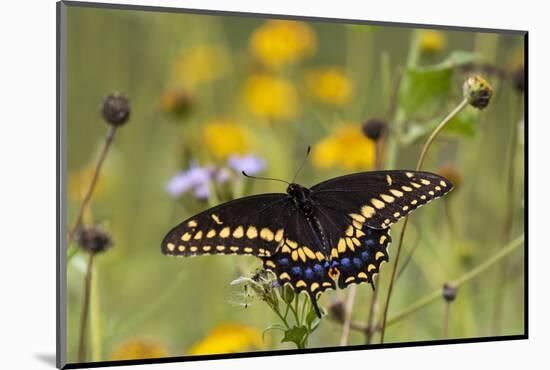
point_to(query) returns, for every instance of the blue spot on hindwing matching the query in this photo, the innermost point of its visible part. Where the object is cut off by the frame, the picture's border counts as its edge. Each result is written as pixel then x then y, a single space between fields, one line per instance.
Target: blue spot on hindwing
pixel 296 270
pixel 308 273
pixel 283 261
pixel 357 262
pixel 346 263
pixel 365 255
pixel 319 269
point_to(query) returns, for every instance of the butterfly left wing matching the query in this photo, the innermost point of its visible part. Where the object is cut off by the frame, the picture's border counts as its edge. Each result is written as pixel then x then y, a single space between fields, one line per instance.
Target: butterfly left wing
pixel 380 198
pixel 252 225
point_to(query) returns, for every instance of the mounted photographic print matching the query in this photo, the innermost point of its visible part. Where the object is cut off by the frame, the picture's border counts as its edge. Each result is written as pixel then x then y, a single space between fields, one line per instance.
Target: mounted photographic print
pixel 236 185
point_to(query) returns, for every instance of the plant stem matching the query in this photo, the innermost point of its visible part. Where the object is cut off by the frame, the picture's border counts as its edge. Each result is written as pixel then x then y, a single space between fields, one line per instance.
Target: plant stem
pixel 421 303
pixel 508 224
pixel 85 309
pixel 427 145
pixel 437 130
pixel 370 330
pixel 348 312
pixel 78 219
pixel 446 320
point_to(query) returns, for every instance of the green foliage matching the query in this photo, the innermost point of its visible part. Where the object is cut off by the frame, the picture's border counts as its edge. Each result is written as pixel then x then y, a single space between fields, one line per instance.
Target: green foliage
pixel 425 89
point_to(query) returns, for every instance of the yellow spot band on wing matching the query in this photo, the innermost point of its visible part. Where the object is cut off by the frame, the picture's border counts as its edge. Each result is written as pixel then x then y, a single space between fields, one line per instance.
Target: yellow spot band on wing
pixel 252 232
pixel 301 284
pixel 397 193
pixel 368 211
pixel 238 232
pixel 270 263
pixel 171 247
pixel 266 234
pixel 279 235
pixel 387 198
pixel 225 232
pixel 377 203
pixel 341 246
pixel 216 219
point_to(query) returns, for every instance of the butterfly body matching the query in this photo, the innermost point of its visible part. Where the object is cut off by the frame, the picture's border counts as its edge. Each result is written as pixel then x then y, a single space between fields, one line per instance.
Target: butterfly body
pixel 333 234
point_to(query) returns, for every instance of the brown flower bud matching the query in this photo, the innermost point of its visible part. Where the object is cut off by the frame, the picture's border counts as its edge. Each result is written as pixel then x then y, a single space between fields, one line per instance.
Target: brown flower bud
pixel 449 292
pixel 374 128
pixel 93 239
pixel 115 109
pixel 337 310
pixel 518 79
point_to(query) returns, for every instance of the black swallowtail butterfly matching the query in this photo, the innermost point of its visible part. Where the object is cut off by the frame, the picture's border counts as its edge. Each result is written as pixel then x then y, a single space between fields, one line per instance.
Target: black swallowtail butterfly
pixel 335 233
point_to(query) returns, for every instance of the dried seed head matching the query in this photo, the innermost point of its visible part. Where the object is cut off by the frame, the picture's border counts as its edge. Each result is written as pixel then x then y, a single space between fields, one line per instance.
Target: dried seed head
pixel 374 128
pixel 93 239
pixel 518 78
pixel 116 109
pixel 477 91
pixel 449 292
pixel 337 310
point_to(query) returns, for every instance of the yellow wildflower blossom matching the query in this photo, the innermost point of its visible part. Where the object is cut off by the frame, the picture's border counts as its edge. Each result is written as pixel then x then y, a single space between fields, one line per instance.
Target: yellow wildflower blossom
pixel 200 64
pixel 271 97
pixel 330 85
pixel 225 137
pixel 347 147
pixel 432 41
pixel 228 338
pixel 136 349
pixel 277 43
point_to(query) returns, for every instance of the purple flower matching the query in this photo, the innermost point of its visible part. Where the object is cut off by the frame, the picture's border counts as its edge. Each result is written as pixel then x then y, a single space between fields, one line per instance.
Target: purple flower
pixel 194 178
pixel 250 164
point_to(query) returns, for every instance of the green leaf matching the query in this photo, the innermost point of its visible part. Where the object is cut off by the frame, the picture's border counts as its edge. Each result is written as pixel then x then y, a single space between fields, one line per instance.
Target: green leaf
pixel 296 335
pixel 312 320
pixel 464 123
pixel 273 327
pixel 424 89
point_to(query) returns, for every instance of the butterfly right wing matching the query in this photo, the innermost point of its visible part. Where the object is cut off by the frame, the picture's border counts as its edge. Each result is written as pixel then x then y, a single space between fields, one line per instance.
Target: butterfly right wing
pixel 251 225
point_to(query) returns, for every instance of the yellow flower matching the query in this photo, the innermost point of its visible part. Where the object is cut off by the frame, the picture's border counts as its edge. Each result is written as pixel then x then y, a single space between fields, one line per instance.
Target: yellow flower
pixel 330 85
pixel 136 349
pixel 200 64
pixel 432 41
pixel 277 43
pixel 228 338
pixel 347 147
pixel 79 182
pixel 225 137
pixel 271 97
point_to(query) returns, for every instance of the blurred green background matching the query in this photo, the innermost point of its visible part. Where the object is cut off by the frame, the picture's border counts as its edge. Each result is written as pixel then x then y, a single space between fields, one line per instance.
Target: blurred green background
pixel 204 88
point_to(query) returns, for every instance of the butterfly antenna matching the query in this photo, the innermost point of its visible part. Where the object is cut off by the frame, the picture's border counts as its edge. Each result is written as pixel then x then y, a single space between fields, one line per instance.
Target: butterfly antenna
pixel 263 178
pixel 302 165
